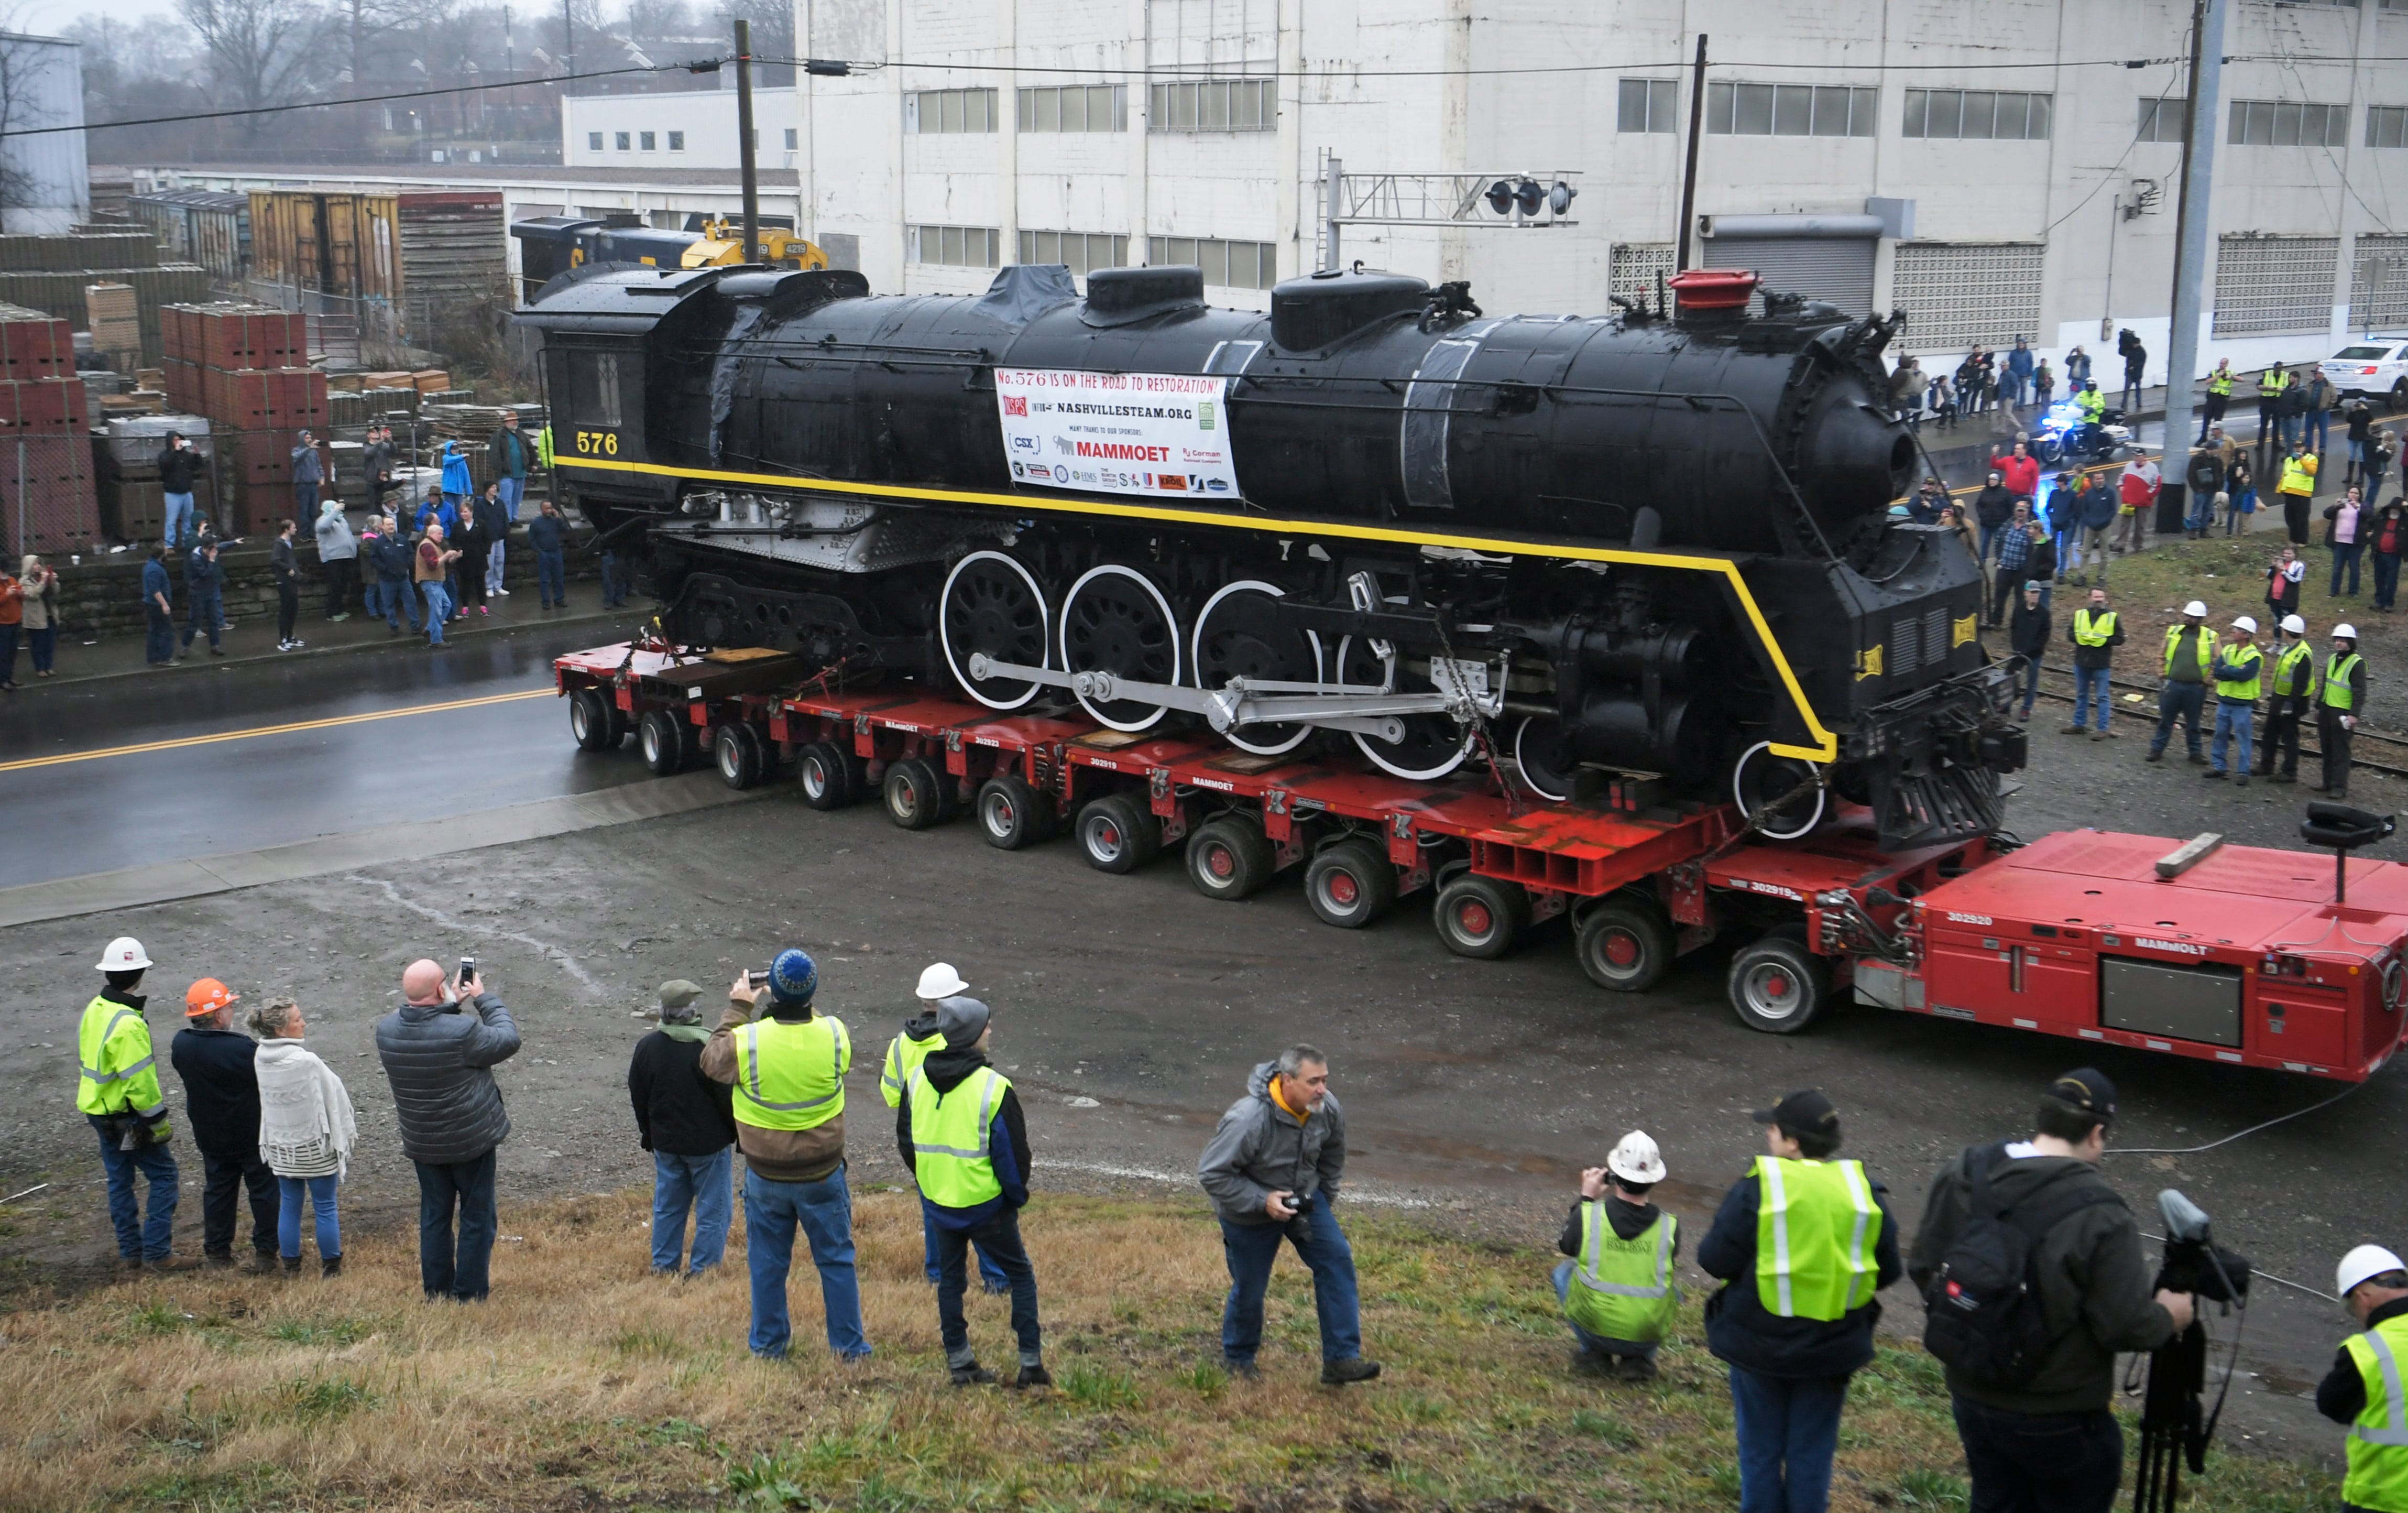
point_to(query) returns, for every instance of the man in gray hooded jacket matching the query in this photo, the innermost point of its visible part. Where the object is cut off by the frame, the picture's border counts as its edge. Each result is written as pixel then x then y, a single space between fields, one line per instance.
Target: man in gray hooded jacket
pixel 1272 1170
pixel 438 1050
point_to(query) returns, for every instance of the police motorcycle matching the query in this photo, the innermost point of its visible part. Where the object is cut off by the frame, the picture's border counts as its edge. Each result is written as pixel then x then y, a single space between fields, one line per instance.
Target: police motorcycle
pixel 2063 436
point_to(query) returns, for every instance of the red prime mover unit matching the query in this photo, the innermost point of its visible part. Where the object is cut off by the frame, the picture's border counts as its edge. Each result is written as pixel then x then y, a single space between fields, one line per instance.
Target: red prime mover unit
pixel 2229 954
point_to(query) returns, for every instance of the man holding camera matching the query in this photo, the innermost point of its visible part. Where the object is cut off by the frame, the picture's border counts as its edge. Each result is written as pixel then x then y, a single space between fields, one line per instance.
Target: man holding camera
pixel 787 1065
pixel 2037 1430
pixel 1801 1243
pixel 438 1050
pixel 2363 1389
pixel 120 1093
pixel 1272 1169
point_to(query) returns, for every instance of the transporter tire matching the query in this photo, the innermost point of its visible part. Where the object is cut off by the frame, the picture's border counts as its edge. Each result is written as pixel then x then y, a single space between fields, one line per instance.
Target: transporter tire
pixel 914 794
pixel 828 775
pixel 1012 814
pixel 1118 832
pixel 1350 883
pixel 1230 857
pixel 735 750
pixel 664 739
pixel 1625 946
pixel 1482 918
pixel 592 721
pixel 1778 986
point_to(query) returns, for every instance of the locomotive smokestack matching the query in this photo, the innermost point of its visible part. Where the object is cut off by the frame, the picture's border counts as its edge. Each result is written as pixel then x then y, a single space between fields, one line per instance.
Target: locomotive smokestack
pixel 1712 294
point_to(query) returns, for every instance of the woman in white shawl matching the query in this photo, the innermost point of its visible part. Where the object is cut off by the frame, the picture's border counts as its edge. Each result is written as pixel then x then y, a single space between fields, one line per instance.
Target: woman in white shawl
pixel 305 1133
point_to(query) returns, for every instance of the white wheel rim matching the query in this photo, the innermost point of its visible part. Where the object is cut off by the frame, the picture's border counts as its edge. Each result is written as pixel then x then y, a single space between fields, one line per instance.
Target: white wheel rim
pixel 652 741
pixel 945 640
pixel 1063 639
pixel 1104 841
pixel 1371 748
pixel 1196 661
pixel 580 723
pixel 1766 1004
pixel 731 757
pixel 1774 832
pixel 1521 733
pixel 815 779
pixel 997 810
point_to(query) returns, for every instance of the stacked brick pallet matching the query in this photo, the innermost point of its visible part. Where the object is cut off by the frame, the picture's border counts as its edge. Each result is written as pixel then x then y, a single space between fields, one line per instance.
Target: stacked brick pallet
pixel 245 367
pixel 46 475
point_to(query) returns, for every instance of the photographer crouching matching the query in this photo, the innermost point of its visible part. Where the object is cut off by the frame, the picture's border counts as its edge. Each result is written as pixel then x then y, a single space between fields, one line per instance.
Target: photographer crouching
pixel 2031 1270
pixel 2363 1389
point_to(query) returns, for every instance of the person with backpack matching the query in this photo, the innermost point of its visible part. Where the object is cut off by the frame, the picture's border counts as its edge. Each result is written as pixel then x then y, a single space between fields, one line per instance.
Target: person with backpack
pixel 2033 1278
pixel 1802 1243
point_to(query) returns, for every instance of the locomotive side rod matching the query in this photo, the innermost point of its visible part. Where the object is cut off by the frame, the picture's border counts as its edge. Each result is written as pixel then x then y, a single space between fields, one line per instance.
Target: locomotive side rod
pixel 1242 703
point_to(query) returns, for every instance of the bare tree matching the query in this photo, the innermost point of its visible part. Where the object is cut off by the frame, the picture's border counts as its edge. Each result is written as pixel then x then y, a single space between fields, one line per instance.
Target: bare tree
pixel 262 50
pixel 773 35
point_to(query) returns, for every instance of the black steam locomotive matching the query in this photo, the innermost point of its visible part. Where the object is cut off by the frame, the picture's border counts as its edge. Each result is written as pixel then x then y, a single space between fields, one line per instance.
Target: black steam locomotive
pixel 1655 542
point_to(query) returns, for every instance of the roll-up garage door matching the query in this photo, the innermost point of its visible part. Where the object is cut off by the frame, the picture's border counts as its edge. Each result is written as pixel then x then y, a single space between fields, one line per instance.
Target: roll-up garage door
pixel 1826 257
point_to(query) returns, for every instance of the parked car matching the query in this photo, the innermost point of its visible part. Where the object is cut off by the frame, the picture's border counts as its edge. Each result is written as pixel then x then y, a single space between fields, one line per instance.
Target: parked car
pixel 2378 368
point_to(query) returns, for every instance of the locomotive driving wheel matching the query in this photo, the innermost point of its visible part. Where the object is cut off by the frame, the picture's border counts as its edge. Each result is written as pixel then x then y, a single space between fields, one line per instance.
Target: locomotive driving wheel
pixel 993 607
pixel 1433 746
pixel 1238 634
pixel 1115 620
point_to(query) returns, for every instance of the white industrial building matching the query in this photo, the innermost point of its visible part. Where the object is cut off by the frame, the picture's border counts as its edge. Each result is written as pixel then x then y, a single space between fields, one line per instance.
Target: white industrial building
pixel 676 129
pixel 1993 166
pixel 45 182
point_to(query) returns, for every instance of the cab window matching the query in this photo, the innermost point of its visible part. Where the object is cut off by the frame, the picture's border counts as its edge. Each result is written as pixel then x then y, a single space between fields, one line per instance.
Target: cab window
pixel 594 388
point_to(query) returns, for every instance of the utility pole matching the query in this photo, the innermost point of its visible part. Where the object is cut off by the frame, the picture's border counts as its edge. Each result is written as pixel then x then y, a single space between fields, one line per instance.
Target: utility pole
pixel 567 41
pixel 1689 174
pixel 2193 219
pixel 744 140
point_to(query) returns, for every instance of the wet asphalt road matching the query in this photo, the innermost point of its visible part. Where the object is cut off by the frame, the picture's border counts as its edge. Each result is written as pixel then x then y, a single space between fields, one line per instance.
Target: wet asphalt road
pixel 198 796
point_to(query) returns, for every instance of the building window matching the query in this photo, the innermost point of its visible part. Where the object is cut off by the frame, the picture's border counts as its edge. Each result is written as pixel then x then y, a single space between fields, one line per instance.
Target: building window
pixel 1789 110
pixel 1649 105
pixel 622 141
pixel 2161 121
pixel 1980 115
pixel 1075 108
pixel 2268 284
pixel 1227 264
pixel 790 138
pixel 2386 126
pixel 2289 124
pixel 1959 295
pixel 594 141
pixel 1213 105
pixel 931 112
pixel 1633 267
pixel 955 247
pixel 677 141
pixel 646 139
pixel 1081 250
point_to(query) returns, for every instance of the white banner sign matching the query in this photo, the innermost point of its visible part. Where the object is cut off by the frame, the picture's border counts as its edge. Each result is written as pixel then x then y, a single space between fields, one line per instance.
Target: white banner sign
pixel 1164 435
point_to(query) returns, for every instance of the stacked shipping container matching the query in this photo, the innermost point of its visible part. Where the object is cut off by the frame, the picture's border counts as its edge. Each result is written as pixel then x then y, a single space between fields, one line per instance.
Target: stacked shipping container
pixel 246 369
pixel 46 475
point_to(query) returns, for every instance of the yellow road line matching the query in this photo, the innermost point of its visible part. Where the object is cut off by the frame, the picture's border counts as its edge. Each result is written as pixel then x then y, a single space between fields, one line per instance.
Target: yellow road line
pixel 253 733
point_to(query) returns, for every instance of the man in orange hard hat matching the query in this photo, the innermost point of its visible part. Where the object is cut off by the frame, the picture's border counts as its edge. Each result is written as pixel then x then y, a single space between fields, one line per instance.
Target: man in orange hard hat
pixel 221 1098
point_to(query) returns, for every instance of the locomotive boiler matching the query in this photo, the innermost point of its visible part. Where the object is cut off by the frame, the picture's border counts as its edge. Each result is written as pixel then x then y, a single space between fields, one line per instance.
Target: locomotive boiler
pixel 1656 542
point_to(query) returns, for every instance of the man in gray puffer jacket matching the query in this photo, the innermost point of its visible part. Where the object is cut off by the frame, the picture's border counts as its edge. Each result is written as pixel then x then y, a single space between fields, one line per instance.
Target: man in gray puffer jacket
pixel 438 1049
pixel 1272 1169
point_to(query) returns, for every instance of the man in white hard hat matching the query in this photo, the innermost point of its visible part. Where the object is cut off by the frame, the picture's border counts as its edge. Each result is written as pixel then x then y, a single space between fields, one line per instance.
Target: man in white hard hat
pixel 2363 1389
pixel 119 1092
pixel 1617 1289
pixel 2237 664
pixel 2291 695
pixel 2190 653
pixel 2340 705
pixel 920 1038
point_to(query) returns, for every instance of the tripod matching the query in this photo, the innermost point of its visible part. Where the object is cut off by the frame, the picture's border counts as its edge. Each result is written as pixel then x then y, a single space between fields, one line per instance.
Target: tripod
pixel 2174 1428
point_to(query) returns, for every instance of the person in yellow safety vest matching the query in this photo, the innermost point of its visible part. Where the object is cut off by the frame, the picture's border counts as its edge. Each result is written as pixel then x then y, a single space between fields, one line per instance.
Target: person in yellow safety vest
pixel 787 1066
pixel 118 1091
pixel 2270 384
pixel 543 447
pixel 2293 693
pixel 1802 1244
pixel 2294 488
pixel 2096 633
pixel 2237 664
pixel 920 1036
pixel 961 1133
pixel 2219 397
pixel 2363 1389
pixel 2190 652
pixel 2340 706
pixel 1617 1289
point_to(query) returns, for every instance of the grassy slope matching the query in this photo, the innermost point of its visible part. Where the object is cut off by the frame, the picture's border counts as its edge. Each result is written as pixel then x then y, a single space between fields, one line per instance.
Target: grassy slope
pixel 587 1384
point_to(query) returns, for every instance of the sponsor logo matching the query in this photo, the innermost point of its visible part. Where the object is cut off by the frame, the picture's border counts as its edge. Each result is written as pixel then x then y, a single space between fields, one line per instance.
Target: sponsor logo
pixel 1173 483
pixel 1204 414
pixel 1060 475
pixel 1062 445
pixel 1124 450
pixel 1218 486
pixel 1024 443
pixel 1015 404
pixel 1970 919
pixel 1016 469
pixel 2177 947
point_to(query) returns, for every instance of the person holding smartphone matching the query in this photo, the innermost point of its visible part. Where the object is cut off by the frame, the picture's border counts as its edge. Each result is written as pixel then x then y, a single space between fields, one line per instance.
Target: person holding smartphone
pixel 438 1050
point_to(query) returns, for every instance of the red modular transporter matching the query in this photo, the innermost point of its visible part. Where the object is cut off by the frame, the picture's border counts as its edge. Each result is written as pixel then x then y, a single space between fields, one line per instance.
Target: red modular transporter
pixel 2231 953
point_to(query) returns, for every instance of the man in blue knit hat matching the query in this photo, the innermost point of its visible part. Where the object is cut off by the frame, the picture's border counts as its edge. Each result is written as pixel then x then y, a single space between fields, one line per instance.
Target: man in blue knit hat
pixel 787 1065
